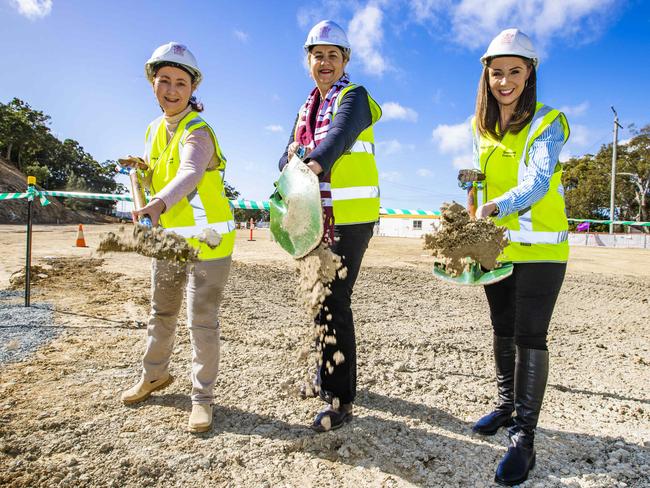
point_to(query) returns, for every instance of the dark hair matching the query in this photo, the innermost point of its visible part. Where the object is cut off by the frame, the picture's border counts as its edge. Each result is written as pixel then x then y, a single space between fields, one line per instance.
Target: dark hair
pixel 487 107
pixel 197 106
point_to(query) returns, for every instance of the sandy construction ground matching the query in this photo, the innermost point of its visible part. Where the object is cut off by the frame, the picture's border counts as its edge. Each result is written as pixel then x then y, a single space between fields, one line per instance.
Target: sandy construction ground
pixel 425 373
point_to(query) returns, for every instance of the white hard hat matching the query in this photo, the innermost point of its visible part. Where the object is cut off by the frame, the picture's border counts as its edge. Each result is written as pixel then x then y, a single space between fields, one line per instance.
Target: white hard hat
pixel 327 32
pixel 173 53
pixel 511 42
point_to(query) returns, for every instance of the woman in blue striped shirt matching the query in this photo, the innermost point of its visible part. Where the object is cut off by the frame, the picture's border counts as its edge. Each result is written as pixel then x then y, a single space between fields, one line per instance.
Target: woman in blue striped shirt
pixel 517 143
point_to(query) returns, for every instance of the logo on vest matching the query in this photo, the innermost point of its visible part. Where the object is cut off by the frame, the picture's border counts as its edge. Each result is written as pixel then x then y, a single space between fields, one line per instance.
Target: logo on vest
pixel 509 153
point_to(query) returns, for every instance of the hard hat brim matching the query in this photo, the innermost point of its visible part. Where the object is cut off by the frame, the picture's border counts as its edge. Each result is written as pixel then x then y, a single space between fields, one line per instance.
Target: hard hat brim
pixel 485 59
pixel 151 68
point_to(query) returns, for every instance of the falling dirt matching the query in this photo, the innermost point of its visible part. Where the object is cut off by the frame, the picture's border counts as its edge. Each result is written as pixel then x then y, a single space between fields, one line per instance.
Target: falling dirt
pixel 462 240
pixel 316 271
pixel 157 243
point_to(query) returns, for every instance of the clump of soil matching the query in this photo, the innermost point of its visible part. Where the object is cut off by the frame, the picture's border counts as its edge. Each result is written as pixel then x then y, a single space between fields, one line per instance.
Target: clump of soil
pixel 210 237
pixel 157 243
pixel 462 240
pixel 36 275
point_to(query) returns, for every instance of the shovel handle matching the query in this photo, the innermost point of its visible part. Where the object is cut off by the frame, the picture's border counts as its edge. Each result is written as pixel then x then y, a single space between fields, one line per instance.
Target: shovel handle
pixel 471 201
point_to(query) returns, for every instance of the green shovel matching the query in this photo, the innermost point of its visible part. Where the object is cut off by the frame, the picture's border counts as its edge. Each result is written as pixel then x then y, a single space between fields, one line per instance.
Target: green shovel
pixel 474 274
pixel 296 209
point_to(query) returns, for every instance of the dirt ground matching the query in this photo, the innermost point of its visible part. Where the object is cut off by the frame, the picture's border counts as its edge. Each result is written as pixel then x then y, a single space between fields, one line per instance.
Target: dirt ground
pixel 425 374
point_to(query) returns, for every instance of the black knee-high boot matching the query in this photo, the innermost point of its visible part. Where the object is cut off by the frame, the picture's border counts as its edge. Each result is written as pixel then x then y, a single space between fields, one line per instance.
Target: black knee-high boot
pixel 504 362
pixel 531 374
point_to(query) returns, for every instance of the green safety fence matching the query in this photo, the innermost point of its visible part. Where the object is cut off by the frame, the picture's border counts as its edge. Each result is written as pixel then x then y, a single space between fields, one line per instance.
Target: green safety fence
pixel 615 222
pixel 241 203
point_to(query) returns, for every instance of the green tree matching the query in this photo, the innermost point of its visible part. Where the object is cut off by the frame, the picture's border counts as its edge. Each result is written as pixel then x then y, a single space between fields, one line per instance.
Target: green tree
pixel 242 214
pixel 587 182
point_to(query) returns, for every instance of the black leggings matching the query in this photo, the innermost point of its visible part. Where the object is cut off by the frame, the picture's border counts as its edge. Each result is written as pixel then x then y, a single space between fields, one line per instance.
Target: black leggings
pixel 351 243
pixel 521 306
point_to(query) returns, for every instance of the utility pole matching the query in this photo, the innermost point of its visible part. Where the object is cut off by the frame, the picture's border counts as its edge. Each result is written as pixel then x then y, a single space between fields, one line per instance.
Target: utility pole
pixel 611 197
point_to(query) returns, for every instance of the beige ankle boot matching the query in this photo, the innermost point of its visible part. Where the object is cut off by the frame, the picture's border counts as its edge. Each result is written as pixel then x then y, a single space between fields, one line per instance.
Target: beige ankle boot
pixel 143 389
pixel 200 418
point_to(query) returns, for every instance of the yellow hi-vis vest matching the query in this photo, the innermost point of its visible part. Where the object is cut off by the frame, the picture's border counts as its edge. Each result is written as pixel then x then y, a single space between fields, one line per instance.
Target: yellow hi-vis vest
pixel 540 232
pixel 354 179
pixel 207 206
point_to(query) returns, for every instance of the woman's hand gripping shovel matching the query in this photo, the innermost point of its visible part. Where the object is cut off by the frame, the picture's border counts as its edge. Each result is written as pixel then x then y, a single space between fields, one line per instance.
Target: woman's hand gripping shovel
pixel 129 166
pixel 296 209
pixel 474 274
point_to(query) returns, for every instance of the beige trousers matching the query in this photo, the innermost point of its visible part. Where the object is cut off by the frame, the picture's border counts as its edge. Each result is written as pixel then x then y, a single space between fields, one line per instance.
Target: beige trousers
pixel 204 283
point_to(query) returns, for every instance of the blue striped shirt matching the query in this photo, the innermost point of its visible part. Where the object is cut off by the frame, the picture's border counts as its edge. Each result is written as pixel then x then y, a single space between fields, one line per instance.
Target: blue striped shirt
pixel 543 155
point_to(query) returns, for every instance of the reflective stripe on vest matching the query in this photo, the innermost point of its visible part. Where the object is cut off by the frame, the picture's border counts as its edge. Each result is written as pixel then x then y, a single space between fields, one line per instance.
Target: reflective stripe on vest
pixel 355 192
pixel 540 232
pixel 363 147
pixel 206 207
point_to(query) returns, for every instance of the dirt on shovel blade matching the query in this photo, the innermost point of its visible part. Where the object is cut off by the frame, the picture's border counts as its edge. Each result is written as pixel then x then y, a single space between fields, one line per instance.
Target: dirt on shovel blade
pixel 461 240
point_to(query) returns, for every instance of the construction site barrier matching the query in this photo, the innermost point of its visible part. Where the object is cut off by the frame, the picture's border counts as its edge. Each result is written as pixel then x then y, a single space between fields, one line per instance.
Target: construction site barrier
pixel 33 192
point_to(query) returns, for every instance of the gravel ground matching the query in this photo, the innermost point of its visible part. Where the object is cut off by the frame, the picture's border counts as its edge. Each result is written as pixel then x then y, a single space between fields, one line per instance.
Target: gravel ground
pixel 425 373
pixel 23 329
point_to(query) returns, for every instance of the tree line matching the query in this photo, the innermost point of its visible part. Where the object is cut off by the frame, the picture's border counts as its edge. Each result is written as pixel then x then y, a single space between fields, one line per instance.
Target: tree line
pixel 587 182
pixel 27 143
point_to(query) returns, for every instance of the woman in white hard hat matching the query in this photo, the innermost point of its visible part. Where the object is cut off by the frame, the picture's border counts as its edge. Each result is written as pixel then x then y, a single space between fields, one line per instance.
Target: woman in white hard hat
pixel 334 126
pixel 183 169
pixel 517 143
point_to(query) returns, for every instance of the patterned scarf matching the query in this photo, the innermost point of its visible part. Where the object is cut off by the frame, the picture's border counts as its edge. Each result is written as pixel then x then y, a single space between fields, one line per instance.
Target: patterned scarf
pixel 311 137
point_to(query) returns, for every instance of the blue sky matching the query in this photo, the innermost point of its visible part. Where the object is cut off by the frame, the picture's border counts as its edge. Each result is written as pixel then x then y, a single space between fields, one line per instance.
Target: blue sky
pixel 81 62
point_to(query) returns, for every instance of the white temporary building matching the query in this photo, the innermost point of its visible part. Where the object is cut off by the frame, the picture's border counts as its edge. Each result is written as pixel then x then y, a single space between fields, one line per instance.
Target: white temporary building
pixel 407 225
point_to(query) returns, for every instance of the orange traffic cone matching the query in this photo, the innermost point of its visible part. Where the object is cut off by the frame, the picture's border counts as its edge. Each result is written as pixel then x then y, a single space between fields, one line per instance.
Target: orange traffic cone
pixel 81 242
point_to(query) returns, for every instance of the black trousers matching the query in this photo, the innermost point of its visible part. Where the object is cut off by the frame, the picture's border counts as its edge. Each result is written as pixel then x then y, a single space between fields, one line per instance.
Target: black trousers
pixel 351 242
pixel 521 306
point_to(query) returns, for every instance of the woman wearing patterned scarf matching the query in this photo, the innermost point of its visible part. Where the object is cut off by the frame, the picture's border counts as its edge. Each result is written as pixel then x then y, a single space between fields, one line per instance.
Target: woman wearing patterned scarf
pixel 334 126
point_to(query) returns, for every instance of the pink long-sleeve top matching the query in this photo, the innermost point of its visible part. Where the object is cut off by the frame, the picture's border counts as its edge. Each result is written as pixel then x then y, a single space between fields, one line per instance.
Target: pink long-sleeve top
pixel 197 157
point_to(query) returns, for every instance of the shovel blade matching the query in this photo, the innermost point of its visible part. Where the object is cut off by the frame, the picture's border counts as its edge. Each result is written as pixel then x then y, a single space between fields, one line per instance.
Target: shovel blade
pixel 474 275
pixel 296 210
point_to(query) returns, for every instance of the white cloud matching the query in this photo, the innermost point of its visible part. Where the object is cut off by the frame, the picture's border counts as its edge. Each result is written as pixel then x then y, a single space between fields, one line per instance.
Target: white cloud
pixel 393 146
pixel 394 111
pixel 274 128
pixel 308 16
pixel 424 173
pixel 473 24
pixel 427 10
pixel 365 34
pixel 390 176
pixel 453 138
pixel 33 9
pixel 575 110
pixel 241 36
pixel 455 141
